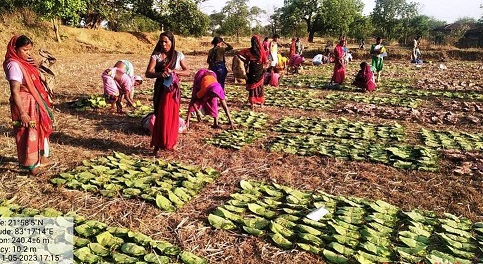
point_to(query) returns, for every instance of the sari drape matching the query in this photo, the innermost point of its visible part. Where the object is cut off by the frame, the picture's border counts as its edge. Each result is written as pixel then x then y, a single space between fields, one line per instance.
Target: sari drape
pixel 365 79
pixel 32 142
pixel 166 102
pixel 255 72
pixel 206 92
pixel 339 67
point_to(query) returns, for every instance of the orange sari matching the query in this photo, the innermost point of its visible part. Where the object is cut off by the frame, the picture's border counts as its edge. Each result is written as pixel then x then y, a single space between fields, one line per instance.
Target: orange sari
pixel 32 142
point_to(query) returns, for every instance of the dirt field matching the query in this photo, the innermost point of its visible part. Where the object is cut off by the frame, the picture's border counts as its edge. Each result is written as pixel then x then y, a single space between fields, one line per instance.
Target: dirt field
pixel 88 134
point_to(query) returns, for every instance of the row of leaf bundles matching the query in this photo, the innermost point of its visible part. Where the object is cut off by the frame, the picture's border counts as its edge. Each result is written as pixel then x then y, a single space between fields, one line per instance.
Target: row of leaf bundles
pixel 306 103
pixel 248 119
pixel 235 139
pixel 341 128
pixel 411 157
pixel 169 185
pixel 96 242
pixel 452 140
pixel 371 99
pixel 93 101
pixel 431 93
pixel 311 81
pixel 354 230
pixel 290 98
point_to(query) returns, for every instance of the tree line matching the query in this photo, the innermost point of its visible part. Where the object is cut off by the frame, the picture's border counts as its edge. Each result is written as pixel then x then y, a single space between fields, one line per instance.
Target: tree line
pixel 398 20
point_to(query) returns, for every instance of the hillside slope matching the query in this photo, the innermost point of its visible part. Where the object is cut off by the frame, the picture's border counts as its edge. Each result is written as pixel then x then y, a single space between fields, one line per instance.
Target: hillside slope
pixel 82 40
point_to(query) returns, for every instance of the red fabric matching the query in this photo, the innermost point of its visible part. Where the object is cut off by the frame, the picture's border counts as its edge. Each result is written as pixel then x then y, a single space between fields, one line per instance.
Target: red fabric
pixel 263 57
pixel 292 48
pixel 256 96
pixel 266 47
pixel 339 67
pixel 365 79
pixel 165 130
pixel 29 140
pixel 35 103
pixel 247 53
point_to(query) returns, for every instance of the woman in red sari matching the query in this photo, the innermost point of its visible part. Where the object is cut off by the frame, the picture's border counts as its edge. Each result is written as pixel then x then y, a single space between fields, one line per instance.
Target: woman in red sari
pixel 165 65
pixel 339 63
pixel 31 115
pixel 365 78
pixel 255 57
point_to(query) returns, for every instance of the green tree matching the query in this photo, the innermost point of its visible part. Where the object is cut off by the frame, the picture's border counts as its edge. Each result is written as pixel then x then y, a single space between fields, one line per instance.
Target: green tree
pixel 308 11
pixel 320 16
pixel 55 10
pixel 254 17
pixel 237 18
pixel 423 25
pixel 216 23
pixel 391 17
pixel 185 18
pixel 13 5
pixel 338 15
pixel 97 11
pixel 361 28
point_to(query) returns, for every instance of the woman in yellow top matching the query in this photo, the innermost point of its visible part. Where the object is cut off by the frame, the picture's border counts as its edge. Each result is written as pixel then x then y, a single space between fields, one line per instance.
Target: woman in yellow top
pixel 216 59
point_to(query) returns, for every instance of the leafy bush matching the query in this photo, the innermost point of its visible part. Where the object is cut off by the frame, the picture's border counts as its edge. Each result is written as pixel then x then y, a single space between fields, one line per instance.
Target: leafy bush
pixel 135 23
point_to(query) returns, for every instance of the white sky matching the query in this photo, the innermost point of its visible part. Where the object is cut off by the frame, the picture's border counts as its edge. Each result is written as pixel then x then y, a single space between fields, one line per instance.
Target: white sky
pixel 446 10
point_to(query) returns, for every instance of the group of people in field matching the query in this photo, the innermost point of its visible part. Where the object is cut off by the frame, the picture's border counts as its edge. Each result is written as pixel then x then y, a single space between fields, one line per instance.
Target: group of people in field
pixel 31 106
pixel 367 76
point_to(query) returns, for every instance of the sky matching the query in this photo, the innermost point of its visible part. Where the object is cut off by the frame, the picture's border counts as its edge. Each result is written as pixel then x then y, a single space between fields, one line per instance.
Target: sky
pixel 446 10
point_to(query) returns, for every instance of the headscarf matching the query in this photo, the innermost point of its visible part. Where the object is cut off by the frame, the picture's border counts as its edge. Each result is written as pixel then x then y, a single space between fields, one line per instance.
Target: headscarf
pixel 367 73
pixel 129 68
pixel 33 84
pixel 197 81
pixel 257 49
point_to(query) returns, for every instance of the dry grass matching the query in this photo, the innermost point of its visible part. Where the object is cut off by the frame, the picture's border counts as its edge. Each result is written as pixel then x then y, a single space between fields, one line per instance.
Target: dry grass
pixel 85 135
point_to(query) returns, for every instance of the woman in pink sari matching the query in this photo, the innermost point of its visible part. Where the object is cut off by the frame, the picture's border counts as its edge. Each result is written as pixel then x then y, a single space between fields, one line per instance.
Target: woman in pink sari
pixel 31 115
pixel 206 92
pixel 365 78
pixel 339 64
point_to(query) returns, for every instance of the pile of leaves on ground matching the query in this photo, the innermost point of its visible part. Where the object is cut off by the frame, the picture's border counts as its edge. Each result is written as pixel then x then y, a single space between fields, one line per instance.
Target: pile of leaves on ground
pixel 248 119
pixel 168 185
pixel 421 115
pixel 313 82
pixel 90 102
pixel 248 123
pixel 372 99
pixel 402 156
pixel 97 242
pixel 475 96
pixel 341 128
pixel 452 140
pixel 235 139
pixel 348 230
